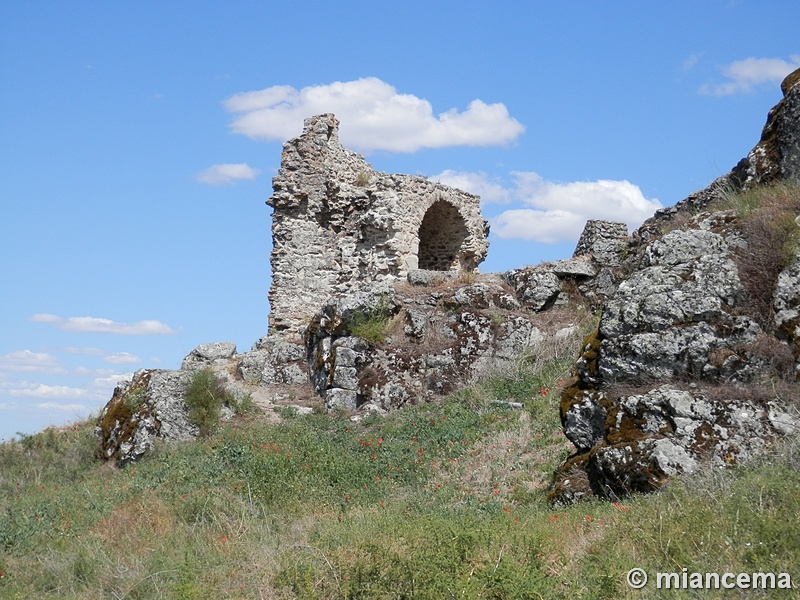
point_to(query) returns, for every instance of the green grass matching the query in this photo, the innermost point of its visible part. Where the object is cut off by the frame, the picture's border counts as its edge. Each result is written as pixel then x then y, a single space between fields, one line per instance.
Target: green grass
pixel 371 325
pixel 433 501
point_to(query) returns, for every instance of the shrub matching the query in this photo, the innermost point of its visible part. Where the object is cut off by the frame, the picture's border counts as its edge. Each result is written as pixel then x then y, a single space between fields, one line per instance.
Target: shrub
pixel 205 395
pixel 772 235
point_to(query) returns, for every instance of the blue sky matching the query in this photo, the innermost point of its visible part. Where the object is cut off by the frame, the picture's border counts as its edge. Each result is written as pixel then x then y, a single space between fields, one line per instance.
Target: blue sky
pixel 139 141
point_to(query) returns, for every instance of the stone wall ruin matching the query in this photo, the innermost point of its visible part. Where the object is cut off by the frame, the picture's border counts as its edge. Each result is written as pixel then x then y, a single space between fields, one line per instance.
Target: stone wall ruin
pixel 338 225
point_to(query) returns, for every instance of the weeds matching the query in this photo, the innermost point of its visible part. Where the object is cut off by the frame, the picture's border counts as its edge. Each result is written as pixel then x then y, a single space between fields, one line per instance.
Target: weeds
pixel 363 178
pixel 205 395
pixel 433 501
pixel 372 325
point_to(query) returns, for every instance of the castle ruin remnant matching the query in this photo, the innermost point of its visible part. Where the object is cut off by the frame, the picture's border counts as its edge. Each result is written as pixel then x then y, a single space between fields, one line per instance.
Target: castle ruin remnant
pixel 339 225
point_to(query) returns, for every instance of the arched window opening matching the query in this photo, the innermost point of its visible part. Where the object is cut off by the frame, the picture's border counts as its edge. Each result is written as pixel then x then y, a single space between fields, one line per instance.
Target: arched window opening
pixel 441 236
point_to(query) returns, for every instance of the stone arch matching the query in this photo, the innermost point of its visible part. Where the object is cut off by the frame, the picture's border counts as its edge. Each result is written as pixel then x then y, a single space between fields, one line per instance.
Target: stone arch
pixel 442 233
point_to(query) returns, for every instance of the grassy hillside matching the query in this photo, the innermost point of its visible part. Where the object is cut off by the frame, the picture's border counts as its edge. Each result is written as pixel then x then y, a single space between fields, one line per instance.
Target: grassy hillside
pixel 433 501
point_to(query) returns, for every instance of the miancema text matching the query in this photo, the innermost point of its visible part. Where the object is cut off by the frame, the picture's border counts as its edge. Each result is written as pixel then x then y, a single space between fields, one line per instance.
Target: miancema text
pixel 714 581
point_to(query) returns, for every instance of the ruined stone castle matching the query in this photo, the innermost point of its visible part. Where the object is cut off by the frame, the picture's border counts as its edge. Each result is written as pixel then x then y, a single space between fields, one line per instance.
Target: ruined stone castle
pixel 693 349
pixel 338 224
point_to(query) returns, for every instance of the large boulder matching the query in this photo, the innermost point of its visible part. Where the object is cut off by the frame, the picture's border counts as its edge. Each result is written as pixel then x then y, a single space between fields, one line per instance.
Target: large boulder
pixel 142 411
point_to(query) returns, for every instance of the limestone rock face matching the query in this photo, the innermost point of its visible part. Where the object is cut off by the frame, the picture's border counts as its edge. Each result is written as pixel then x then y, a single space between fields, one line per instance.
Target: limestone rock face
pixel 274 361
pixel 338 224
pixel 682 371
pixel 208 354
pixel 697 355
pixel 777 154
pixel 669 317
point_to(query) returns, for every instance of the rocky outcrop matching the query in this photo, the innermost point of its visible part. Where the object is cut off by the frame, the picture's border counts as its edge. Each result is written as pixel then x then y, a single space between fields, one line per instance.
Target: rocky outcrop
pixel 151 408
pixel 677 375
pixel 338 225
pixel 142 411
pixel 390 346
pixel 696 358
pixel 776 157
pixel 668 319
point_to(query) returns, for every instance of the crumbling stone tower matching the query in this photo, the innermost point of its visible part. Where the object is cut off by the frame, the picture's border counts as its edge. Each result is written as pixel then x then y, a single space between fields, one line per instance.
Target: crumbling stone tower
pixel 339 225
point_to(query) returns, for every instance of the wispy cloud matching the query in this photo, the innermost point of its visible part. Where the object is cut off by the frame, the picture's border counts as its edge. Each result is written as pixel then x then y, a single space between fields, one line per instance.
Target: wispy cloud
pixel 108 382
pixel 122 358
pixel 746 75
pixel 71 408
pixel 552 212
pixel 227 173
pixel 691 61
pixel 374 116
pixel 81 349
pixel 100 325
pixel 25 360
pixel 47 391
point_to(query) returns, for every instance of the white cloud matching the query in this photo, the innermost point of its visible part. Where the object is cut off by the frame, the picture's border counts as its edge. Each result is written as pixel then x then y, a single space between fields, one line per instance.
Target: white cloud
pixel 25 360
pixel 99 325
pixel 122 358
pixel 745 75
pixel 373 116
pixel 557 212
pixel 47 391
pixel 475 183
pixel 50 406
pixel 109 382
pixel 227 173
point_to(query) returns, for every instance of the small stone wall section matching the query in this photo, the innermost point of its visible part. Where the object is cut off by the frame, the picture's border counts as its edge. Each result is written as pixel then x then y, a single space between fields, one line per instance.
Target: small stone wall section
pixel 338 224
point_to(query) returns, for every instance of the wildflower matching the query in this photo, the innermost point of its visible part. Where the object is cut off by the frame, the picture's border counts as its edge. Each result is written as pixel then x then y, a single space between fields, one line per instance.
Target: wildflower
pixel 224 540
